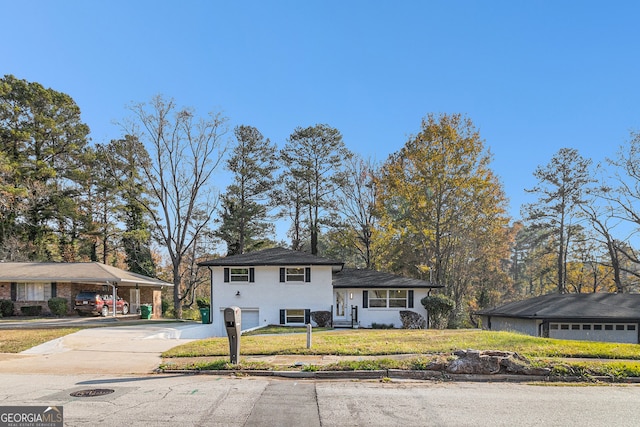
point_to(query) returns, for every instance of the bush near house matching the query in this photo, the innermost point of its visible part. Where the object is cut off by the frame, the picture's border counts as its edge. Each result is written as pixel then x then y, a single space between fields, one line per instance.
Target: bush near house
pixel 58 306
pixel 203 303
pixel 6 308
pixel 322 318
pixel 412 320
pixel 31 310
pixel 438 308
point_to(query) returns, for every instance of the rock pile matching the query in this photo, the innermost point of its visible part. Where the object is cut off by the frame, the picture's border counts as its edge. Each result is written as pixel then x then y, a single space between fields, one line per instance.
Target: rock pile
pixel 491 362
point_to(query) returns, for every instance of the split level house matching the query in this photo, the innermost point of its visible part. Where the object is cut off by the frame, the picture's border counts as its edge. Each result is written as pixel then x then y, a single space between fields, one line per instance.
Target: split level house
pixel 604 317
pixel 283 287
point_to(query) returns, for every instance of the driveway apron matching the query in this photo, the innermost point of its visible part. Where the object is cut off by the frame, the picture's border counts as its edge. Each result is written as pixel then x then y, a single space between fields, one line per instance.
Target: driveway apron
pixel 108 350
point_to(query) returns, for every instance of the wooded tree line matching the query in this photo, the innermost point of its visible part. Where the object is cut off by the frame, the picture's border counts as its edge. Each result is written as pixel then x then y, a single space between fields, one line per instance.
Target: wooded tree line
pixel 433 210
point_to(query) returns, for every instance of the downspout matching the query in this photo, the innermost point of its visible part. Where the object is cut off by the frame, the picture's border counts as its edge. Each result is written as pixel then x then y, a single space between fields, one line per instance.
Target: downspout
pixel 211 294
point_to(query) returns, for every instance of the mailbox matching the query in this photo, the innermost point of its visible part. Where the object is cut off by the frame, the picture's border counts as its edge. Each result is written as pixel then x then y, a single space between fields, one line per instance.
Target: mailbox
pixel 232 317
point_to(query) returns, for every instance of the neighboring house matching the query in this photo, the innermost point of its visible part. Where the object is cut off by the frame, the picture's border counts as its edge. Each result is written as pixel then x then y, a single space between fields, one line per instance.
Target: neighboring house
pixel 593 317
pixel 281 286
pixel 34 283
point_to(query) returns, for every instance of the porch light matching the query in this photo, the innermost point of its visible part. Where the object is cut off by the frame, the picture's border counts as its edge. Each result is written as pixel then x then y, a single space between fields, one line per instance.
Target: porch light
pixel 237 293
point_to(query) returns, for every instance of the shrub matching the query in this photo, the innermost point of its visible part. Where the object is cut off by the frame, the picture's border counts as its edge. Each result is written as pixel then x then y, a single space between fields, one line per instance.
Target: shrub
pixel 322 318
pixel 166 306
pixel 191 314
pixel 58 306
pixel 438 308
pixel 381 326
pixel 31 310
pixel 203 302
pixel 6 307
pixel 412 320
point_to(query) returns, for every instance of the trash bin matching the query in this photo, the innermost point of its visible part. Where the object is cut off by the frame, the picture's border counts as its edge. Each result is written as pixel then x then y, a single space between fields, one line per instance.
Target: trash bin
pixel 205 314
pixel 145 311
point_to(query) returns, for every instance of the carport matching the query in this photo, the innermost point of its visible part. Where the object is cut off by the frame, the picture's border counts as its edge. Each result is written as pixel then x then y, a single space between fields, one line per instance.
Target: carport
pixel 34 283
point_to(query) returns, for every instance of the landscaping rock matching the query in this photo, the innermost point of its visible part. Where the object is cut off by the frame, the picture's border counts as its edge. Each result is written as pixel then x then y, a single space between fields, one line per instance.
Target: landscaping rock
pixel 492 362
pixel 412 320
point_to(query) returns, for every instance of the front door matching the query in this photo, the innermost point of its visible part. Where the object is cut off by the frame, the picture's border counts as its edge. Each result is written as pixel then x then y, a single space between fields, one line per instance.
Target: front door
pixel 340 307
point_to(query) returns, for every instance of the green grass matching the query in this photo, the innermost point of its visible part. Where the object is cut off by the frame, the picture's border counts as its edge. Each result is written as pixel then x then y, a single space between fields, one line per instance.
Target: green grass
pixel 368 342
pixel 276 329
pixel 15 341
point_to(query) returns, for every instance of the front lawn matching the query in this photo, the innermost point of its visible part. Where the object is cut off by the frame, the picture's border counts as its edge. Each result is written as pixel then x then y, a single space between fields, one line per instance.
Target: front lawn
pixel 17 340
pixel 369 342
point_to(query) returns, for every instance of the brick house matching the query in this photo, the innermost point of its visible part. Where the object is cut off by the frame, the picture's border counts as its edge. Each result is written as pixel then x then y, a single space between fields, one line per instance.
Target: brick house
pixel 34 283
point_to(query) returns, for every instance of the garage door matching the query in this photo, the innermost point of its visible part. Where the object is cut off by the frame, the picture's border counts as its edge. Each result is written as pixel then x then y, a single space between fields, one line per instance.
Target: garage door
pixel 607 332
pixel 250 319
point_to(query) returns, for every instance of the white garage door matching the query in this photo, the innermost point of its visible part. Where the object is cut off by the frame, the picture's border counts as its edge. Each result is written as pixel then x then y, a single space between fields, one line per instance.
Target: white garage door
pixel 250 319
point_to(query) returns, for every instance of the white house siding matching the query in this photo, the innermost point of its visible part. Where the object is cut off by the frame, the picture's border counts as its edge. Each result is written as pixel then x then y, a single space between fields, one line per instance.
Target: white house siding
pixel 268 295
pixel 525 326
pixel 605 332
pixel 368 316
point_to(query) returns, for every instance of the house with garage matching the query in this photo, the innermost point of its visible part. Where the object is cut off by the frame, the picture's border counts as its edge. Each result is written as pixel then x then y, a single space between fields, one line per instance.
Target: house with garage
pixel 32 284
pixel 281 286
pixel 604 317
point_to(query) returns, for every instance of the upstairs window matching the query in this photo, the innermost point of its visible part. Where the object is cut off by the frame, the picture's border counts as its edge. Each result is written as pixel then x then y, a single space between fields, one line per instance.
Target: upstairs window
pixel 295 274
pixel 239 274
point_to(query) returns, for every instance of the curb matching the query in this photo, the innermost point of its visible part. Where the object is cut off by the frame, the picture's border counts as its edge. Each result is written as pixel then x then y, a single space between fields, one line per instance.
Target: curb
pixel 402 375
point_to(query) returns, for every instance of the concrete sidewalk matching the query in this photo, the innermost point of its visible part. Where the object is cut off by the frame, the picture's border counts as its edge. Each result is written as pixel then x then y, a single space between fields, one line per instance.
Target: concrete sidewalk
pixel 131 349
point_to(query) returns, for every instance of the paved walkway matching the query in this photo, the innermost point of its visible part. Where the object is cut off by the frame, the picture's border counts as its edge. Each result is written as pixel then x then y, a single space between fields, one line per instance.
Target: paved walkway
pixel 131 349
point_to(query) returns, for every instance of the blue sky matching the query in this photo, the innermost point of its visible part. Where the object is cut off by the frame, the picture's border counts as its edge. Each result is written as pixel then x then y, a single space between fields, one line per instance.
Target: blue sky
pixel 533 76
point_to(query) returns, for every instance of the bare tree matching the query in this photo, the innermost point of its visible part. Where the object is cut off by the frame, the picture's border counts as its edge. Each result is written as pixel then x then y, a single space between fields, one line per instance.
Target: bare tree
pixel 357 203
pixel 184 150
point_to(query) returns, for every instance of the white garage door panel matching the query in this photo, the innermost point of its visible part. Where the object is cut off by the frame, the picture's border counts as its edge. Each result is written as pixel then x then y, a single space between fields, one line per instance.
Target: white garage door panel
pixel 250 318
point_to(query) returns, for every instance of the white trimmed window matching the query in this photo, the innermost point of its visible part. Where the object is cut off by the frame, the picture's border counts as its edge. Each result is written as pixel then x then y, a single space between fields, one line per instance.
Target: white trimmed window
pixel 239 274
pixel 33 291
pixel 378 298
pixel 295 274
pixel 294 316
pixel 388 298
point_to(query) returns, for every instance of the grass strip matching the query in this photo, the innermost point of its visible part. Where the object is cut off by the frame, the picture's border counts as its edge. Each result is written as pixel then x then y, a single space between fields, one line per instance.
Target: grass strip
pixel 372 342
pixel 17 340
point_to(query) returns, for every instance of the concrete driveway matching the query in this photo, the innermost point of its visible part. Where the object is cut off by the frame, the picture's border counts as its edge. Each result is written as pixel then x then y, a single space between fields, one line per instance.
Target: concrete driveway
pixel 131 349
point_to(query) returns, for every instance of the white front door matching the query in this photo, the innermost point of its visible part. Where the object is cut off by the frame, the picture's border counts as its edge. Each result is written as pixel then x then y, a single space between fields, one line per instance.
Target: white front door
pixel 340 305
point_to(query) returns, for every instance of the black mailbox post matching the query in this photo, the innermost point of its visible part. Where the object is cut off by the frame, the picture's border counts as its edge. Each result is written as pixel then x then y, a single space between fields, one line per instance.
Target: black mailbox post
pixel 232 317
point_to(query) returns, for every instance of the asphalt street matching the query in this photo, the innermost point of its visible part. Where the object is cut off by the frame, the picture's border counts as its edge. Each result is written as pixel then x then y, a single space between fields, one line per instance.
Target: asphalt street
pixel 103 377
pixel 208 400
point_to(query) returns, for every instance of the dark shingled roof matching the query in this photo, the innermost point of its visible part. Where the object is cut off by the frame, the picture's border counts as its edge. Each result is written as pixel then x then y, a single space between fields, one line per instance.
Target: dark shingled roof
pixel 572 306
pixel 365 278
pixel 274 256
